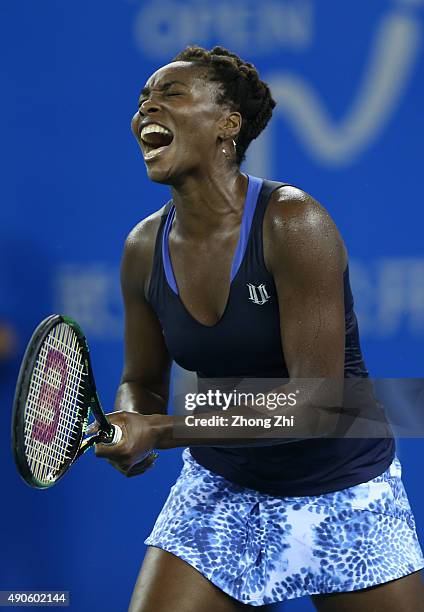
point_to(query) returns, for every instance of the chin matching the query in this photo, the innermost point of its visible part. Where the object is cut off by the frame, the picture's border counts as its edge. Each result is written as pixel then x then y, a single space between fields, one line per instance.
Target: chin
pixel 158 175
pixel 170 171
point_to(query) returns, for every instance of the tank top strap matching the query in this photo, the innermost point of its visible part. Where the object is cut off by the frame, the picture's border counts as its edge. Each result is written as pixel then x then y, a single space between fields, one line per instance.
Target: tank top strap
pixel 253 190
pixel 156 275
pixel 255 249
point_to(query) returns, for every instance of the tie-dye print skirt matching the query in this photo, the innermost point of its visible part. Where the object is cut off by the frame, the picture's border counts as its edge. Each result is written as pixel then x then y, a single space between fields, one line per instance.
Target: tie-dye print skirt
pixel 261 549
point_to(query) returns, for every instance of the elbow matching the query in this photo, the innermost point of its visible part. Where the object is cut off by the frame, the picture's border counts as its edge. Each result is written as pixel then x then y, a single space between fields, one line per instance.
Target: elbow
pixel 327 409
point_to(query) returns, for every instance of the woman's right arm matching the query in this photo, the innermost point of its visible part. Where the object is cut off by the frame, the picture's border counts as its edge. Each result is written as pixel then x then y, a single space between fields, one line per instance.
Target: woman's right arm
pixel 144 385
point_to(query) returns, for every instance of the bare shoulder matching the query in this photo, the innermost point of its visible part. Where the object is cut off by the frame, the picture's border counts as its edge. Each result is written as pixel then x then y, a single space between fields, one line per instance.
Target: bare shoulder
pixel 294 210
pixel 142 237
pixel 138 253
pixel 296 223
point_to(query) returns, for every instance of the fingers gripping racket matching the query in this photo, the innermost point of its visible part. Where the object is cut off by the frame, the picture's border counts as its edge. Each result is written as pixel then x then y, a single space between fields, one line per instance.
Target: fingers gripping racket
pixel 54 397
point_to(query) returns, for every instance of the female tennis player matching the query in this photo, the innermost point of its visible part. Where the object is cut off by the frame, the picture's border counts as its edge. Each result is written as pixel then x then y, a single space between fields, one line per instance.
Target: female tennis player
pixel 243 277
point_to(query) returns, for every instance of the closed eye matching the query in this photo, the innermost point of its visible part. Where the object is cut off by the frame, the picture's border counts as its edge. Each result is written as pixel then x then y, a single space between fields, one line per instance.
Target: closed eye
pixel 167 94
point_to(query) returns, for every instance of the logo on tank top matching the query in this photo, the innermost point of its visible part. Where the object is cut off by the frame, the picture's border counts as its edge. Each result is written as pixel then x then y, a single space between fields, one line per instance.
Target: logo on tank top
pixel 258 295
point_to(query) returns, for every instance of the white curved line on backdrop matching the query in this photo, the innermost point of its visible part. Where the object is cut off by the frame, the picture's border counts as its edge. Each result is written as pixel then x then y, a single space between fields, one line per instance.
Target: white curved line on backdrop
pixel 388 71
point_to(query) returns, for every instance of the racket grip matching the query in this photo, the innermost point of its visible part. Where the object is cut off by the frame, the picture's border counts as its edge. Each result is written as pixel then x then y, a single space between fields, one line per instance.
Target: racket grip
pixel 117 435
pixel 114 430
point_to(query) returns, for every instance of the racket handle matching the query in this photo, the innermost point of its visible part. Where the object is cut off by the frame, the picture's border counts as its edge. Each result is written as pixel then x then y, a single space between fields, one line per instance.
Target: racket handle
pixel 117 435
pixel 114 436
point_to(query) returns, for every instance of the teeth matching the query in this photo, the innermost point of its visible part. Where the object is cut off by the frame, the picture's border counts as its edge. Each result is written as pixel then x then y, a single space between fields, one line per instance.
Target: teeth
pixel 154 128
pixel 154 153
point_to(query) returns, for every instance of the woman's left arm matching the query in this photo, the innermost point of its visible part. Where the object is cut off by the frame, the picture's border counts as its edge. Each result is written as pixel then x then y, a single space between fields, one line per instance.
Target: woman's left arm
pixel 306 255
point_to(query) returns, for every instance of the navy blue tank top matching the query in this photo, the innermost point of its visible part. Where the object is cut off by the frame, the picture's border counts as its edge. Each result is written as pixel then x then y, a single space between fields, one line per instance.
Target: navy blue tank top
pixel 251 319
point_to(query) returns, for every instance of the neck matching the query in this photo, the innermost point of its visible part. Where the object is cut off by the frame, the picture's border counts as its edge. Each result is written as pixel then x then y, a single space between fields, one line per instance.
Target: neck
pixel 209 203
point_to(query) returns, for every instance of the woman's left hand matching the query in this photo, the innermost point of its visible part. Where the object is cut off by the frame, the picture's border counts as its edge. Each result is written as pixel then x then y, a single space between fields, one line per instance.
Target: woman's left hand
pixel 139 436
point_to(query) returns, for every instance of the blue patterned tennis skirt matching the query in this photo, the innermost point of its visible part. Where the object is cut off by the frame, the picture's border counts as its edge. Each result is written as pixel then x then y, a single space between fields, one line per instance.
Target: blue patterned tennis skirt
pixel 261 549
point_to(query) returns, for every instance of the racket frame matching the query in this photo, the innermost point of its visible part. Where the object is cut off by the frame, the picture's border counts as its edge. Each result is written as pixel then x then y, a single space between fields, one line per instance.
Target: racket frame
pixel 90 402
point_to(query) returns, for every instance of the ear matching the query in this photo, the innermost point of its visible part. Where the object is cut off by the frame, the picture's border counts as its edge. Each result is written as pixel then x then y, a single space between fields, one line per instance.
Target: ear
pixel 230 126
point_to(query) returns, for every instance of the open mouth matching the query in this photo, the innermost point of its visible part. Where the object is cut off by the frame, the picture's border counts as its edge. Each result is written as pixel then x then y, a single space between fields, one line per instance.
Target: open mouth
pixel 155 139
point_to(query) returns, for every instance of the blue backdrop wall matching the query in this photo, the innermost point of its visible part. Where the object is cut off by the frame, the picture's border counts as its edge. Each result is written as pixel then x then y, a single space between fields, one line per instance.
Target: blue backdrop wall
pixel 348 128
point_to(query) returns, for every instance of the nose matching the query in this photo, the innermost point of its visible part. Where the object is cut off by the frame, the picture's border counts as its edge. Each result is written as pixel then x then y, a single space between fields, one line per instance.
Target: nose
pixel 149 107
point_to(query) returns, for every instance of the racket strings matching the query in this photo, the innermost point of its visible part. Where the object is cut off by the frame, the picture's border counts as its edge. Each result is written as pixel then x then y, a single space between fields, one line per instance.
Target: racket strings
pixel 49 452
pixel 39 412
pixel 54 404
pixel 49 391
pixel 67 395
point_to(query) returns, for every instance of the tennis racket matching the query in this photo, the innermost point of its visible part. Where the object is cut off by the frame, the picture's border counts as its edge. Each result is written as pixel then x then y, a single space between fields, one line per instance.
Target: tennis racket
pixel 55 394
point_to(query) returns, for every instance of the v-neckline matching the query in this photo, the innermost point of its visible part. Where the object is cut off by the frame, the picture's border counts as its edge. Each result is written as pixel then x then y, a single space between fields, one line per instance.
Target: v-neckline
pixel 254 186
